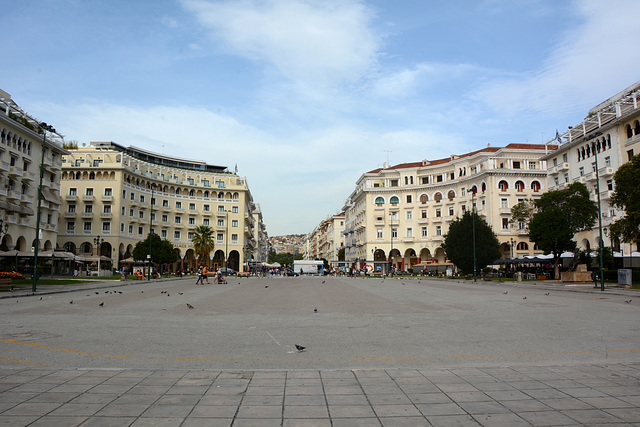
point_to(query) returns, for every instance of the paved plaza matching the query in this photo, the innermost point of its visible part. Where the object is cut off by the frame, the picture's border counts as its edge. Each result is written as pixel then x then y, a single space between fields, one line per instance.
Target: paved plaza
pixel 390 352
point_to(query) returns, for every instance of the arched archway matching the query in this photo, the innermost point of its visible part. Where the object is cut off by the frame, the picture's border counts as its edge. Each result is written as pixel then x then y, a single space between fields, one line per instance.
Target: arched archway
pixel 7 243
pixel 410 259
pixel 189 260
pixel 234 260
pixel 439 255
pixel 218 259
pixel 395 259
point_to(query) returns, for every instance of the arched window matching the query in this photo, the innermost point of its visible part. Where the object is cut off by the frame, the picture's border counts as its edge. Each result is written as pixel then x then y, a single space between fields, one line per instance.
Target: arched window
pixel 235 196
pixel 86 248
pixel 483 187
pixel 609 142
pixel 503 185
pixel 178 191
pixel 522 246
pixel 192 193
pixel 535 186
pixel 379 200
pixel 437 197
pixel 221 195
pixel 519 185
pixel 474 189
pixel 394 200
pixel 406 180
pixel 629 132
pixel 636 128
pixel 424 198
pixel 206 194
pixel 92 175
pixel 451 195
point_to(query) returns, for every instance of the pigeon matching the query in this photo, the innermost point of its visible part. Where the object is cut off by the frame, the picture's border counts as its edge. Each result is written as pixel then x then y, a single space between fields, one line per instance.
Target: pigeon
pixel 119 292
pixel 628 302
pixel 504 293
pixel 315 310
pixel 189 306
pixel 101 304
pixel 142 292
pixel 266 287
pixel 106 292
pixel 547 293
pixel 97 293
pixel 168 295
pixel 323 281
pixel 71 302
pixel 524 298
pixel 40 297
pixel 180 293
pixel 300 348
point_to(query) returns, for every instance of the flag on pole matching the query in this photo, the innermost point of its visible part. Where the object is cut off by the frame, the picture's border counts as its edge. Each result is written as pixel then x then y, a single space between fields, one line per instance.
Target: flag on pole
pixel 236 168
pixel 558 137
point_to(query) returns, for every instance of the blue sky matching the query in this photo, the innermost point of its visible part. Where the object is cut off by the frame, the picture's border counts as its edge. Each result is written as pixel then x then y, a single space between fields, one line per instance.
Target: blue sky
pixel 305 96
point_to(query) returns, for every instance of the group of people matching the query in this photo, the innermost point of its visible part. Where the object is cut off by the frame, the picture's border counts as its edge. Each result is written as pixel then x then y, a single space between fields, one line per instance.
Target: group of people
pixel 203 275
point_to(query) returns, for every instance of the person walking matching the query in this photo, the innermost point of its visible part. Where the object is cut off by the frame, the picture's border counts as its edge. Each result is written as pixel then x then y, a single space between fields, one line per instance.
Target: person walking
pixel 199 281
pixel 204 274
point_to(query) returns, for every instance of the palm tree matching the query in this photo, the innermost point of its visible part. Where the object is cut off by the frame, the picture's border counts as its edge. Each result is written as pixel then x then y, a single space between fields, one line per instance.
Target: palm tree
pixel 203 242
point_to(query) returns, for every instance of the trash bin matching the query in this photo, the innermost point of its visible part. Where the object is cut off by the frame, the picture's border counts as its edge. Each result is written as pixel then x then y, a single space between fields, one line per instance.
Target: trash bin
pixel 624 276
pixel 519 276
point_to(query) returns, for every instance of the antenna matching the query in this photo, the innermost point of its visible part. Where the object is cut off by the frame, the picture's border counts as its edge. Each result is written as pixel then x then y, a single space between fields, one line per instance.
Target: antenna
pixel 388 152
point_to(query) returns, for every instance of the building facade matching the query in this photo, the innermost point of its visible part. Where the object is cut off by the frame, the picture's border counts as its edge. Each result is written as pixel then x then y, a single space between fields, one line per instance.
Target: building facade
pixel 591 152
pixel 24 149
pixel 397 216
pixel 121 194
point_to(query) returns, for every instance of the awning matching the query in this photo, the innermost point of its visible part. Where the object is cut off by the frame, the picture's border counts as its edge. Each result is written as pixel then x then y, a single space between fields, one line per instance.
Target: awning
pixel 50 197
pixel 94 258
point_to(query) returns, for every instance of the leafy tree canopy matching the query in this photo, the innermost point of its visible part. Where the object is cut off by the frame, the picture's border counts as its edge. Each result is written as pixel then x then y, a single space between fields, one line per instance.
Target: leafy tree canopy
pixel 203 242
pixel 161 250
pixel 626 196
pixel 458 243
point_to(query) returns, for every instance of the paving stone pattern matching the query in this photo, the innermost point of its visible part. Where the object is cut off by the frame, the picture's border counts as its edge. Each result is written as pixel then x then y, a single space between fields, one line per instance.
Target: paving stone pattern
pixel 502 396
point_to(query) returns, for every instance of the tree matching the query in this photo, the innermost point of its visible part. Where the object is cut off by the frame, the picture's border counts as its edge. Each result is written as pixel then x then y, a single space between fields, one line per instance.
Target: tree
pixel 161 250
pixel 458 243
pixel 626 196
pixel 341 254
pixel 558 216
pixel 203 242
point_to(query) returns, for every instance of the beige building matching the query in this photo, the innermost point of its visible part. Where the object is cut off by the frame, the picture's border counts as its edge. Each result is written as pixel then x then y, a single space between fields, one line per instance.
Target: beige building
pixel 399 215
pixel 591 152
pixel 122 193
pixel 23 149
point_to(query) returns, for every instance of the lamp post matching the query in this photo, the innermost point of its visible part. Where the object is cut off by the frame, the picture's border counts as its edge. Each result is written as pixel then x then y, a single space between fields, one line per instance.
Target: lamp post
pixel 153 187
pixel 599 223
pixel 98 242
pixel 45 127
pixel 391 253
pixel 226 241
pixel 511 247
pixel 473 227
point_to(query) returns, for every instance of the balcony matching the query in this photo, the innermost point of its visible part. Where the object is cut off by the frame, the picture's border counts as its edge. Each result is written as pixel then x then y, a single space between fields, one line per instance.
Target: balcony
pixel 29 176
pixel 71 231
pixel 107 199
pixel 70 214
pixel 606 172
pixel 206 213
pixel 25 198
pixel 4 166
pixel 71 198
pixel 436 219
pixel 561 167
pixel 13 195
pixel 88 198
pixel 15 171
pixel 106 215
pixel 87 215
pixel 178 225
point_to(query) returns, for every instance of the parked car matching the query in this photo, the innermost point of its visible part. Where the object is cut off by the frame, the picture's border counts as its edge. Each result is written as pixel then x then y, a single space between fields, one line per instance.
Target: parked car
pixel 292 273
pixel 228 271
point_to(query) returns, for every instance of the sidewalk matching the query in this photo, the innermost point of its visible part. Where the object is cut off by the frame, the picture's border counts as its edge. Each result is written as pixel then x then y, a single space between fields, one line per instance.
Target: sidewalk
pixel 500 396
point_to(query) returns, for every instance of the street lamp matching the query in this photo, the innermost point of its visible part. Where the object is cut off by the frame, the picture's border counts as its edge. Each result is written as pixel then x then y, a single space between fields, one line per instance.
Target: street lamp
pixel 45 127
pixel 473 226
pixel 98 242
pixel 226 241
pixel 512 247
pixel 153 187
pixel 391 253
pixel 599 222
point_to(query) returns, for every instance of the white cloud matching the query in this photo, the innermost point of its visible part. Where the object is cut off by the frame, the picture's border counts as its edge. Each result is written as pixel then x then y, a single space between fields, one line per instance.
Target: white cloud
pixel 325 42
pixel 586 66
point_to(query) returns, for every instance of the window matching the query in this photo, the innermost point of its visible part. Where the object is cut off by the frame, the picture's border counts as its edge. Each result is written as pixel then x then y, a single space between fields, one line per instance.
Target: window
pixel 220 208
pixel 424 198
pixel 71 208
pixel 220 222
pixel 130 228
pixel 409 232
pixel 394 216
pixel 630 155
pixel 519 185
pixel 106 228
pixel 165 203
pixel 133 196
pixel 234 223
pixel 394 200
pixel 505 223
pixel 516 165
pixel 88 208
pixel 504 203
pixel 425 180
pixel 86 226
pixel 191 181
pixel 409 199
pixel 610 185
pixel 176 235
pixel 581 171
pixel 437 197
pixel 379 233
pixel 438 213
pixel 394 233
pixel 140 230
pixel 124 194
pixel 206 208
pixel 177 219
pixel 234 237
pixel 192 206
pixel 532 165
pixel 566 177
pixel 423 231
pixel 192 220
pixel 409 215
pixel 190 236
pixel 106 209
pixel 394 182
pixel 163 234
pixel 78 162
pixel 108 192
pixel 165 218
pixel 423 213
pixel 205 182
pixel 438 230
pixel 178 205
pixel 503 185
pixel 234 209
pixel 71 226
pixel 219 237
pixel 89 192
pixel 439 178
pixel 451 211
pixel 122 227
pixel 564 157
pixel 451 195
pixel 379 200
pixel 607 161
pixel 141 214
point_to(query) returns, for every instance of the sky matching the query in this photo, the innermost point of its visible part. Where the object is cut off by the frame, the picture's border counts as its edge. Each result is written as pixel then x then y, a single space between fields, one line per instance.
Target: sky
pixel 305 96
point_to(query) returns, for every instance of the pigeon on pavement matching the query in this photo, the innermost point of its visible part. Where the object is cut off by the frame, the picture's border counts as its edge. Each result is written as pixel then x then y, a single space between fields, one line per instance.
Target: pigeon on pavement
pixel 189 305
pixel 315 310
pixel 101 304
pixel 300 348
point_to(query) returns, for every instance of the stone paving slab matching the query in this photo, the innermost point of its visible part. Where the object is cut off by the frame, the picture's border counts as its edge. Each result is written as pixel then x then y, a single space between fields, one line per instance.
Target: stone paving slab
pixel 495 396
